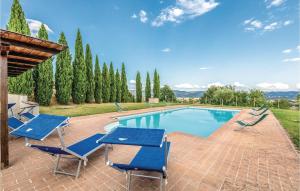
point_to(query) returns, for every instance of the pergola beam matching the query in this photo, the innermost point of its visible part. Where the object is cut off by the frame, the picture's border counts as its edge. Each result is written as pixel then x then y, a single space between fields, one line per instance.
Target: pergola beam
pixel 13 60
pixel 29 46
pixel 22 68
pixel 19 55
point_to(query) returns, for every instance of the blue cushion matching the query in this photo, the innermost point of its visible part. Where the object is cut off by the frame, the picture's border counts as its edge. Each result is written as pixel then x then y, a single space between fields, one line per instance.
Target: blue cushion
pixel 86 146
pixel 14 123
pixel 10 105
pixel 135 136
pixel 27 115
pixel 39 127
pixel 147 159
pixel 50 150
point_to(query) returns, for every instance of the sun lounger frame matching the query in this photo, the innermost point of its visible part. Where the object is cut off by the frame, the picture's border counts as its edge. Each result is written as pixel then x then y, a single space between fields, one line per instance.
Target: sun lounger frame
pixel 129 173
pixel 162 176
pixel 64 150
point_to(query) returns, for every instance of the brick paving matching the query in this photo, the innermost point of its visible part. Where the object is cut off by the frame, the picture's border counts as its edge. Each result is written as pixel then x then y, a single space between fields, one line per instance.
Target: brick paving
pixel 259 158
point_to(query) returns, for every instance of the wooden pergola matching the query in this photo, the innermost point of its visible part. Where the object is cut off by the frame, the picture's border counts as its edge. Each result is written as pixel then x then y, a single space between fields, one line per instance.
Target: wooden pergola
pixel 19 53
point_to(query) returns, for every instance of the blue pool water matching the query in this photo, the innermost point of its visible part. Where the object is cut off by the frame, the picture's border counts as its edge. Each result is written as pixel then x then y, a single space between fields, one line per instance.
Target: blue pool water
pixel 195 121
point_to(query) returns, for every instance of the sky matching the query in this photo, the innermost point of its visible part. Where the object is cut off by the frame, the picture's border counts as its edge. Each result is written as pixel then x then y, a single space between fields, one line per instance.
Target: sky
pixel 192 43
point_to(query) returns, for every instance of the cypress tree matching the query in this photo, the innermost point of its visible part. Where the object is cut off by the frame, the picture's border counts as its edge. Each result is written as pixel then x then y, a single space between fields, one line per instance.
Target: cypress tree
pixel 90 84
pixel 138 87
pixel 63 73
pixel 124 86
pixel 105 84
pixel 156 84
pixel 112 83
pixel 148 87
pixel 79 72
pixel 22 84
pixel 98 81
pixel 44 76
pixel 118 86
pixel 17 21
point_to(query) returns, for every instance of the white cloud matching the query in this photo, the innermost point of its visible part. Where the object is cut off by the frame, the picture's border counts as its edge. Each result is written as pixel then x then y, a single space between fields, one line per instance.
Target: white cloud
pixel 298 86
pixel 296 59
pixel 273 86
pixel 187 86
pixel 217 84
pixel 250 29
pixel 274 3
pixel 298 47
pixel 248 21
pixel 134 16
pixel 286 51
pixel 239 85
pixel 166 50
pixel 35 26
pixel 184 9
pixel 287 22
pixel 271 27
pixel 143 16
pixel 252 24
pixel 204 68
pixel 132 82
pixel 255 24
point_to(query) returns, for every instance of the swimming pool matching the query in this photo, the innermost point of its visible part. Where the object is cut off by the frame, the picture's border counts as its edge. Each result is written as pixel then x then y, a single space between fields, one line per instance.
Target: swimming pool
pixel 196 121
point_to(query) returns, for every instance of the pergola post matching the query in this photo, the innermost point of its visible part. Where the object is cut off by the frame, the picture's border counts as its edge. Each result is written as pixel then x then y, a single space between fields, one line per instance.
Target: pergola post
pixel 3 107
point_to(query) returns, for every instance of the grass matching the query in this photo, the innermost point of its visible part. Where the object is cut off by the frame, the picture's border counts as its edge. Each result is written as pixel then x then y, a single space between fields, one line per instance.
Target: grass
pixel 91 109
pixel 289 119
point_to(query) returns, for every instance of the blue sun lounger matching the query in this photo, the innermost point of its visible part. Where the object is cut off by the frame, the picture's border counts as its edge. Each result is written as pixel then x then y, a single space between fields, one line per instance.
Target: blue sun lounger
pixel 150 159
pixel 42 126
pixel 26 111
pixel 78 151
pixel 152 156
pixel 14 123
pixel 29 116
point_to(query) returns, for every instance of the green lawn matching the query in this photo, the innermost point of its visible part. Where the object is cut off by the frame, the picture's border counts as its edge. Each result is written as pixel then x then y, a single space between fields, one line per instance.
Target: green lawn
pixel 289 119
pixel 90 109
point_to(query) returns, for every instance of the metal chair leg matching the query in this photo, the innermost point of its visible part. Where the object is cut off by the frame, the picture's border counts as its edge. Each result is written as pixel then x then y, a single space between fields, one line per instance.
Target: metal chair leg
pixel 162 185
pixel 57 163
pixel 128 177
pixel 78 168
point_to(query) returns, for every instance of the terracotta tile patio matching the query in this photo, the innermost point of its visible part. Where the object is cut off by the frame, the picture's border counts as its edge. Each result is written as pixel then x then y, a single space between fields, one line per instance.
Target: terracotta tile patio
pixel 260 159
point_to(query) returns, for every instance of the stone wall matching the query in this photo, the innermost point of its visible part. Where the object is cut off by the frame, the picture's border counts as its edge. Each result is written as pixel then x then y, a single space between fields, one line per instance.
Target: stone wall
pixel 20 101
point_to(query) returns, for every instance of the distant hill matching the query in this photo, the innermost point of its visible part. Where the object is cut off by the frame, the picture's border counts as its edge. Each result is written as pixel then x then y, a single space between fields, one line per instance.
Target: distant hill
pixel 269 95
pixel 282 95
pixel 186 94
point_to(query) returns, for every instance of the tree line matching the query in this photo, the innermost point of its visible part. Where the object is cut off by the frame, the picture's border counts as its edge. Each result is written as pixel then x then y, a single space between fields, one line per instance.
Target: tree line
pixel 228 95
pixel 76 79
